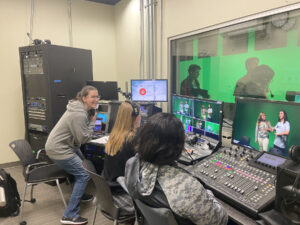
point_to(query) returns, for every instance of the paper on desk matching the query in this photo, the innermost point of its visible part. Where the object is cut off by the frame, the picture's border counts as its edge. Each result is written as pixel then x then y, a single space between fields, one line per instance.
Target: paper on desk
pixel 102 140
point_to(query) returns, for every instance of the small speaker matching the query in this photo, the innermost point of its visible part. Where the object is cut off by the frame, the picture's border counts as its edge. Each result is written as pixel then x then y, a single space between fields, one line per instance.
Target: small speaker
pixel 288 191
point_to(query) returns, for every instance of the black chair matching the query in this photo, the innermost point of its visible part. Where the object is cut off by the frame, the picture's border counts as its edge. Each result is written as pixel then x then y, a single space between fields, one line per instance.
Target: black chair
pixel 147 215
pixel 117 207
pixel 154 216
pixel 35 172
pixel 245 140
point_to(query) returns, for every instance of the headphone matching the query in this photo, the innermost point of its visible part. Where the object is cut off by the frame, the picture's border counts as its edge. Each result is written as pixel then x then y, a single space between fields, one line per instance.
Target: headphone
pixel 294 153
pixel 135 108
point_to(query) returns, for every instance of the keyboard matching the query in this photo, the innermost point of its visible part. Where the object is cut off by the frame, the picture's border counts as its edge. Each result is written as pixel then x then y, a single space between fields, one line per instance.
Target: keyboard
pixel 97 135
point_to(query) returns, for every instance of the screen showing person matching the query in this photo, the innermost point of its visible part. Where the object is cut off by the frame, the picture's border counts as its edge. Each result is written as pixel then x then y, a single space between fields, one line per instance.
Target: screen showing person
pixel 182 108
pixel 149 90
pixel 263 125
pixel 100 122
pixel 204 116
pixel 182 105
pixel 208 117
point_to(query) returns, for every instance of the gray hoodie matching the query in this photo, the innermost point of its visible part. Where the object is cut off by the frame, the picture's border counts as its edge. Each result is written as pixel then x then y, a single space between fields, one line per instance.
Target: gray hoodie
pixel 73 129
pixel 186 196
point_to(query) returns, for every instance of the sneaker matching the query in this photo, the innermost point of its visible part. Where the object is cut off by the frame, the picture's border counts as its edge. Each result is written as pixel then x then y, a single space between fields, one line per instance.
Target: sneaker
pixel 76 220
pixel 87 198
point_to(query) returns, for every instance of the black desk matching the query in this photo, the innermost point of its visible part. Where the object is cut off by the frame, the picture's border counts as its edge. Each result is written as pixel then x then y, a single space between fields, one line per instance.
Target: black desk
pixel 96 153
pixel 236 215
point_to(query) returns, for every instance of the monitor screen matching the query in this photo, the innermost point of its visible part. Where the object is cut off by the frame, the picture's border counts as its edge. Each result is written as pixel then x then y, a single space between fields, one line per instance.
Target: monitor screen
pixel 269 126
pixel 200 116
pixel 100 122
pixel 149 90
pixel 107 90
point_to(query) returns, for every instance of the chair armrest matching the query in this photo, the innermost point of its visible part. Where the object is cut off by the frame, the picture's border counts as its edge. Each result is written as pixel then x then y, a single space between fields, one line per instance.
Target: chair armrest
pixel 42 172
pixel 121 181
pixel 39 152
pixel 34 165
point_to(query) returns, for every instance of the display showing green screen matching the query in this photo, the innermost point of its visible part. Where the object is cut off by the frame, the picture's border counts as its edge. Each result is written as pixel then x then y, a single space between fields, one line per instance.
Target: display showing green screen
pixel 246 122
pixel 199 116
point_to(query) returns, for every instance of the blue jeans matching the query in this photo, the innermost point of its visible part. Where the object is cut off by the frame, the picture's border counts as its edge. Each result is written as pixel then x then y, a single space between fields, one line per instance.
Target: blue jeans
pixel 74 167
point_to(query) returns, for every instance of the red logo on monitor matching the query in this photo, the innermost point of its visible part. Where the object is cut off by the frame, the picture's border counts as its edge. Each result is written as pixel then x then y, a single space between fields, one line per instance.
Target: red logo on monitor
pixel 142 91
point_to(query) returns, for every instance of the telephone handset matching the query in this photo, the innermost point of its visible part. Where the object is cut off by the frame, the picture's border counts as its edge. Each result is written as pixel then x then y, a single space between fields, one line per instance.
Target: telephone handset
pixel 92 112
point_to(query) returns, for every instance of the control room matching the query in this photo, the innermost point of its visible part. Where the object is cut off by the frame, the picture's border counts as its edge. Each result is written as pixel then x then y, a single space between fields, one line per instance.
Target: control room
pixel 150 112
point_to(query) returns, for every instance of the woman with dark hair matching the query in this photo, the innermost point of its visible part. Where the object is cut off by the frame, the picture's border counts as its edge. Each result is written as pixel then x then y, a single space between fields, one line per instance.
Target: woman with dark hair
pixel 282 130
pixel 74 128
pixel 263 127
pixel 119 147
pixel 154 177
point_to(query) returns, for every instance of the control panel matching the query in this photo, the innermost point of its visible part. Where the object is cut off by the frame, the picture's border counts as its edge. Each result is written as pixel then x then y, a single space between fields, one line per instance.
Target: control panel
pixel 36 108
pixel 234 178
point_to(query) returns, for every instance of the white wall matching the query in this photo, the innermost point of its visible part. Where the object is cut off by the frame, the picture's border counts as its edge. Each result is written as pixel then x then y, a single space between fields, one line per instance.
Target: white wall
pixel 93 28
pixel 127 23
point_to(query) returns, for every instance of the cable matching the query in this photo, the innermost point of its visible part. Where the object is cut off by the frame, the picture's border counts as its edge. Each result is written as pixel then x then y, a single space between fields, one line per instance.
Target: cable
pixel 70 23
pixel 31 22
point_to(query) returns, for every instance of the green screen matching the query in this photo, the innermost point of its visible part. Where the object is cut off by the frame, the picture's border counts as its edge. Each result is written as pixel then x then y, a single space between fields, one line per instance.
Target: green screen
pixel 224 55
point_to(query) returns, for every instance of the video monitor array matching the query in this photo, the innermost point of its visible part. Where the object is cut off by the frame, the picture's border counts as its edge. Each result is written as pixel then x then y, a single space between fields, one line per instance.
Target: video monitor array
pixel 199 116
pixel 149 90
pixel 267 126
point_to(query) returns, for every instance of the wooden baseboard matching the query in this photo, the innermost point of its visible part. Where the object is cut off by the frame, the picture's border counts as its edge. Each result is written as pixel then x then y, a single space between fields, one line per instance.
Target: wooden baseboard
pixel 11 164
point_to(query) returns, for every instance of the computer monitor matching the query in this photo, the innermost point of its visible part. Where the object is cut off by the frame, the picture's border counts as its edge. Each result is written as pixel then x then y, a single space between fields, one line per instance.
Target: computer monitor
pixel 200 116
pixel 100 123
pixel 257 126
pixel 147 110
pixel 149 90
pixel 107 90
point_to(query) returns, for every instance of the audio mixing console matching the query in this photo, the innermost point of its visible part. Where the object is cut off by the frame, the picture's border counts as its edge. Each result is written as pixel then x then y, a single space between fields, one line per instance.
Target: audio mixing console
pixel 237 175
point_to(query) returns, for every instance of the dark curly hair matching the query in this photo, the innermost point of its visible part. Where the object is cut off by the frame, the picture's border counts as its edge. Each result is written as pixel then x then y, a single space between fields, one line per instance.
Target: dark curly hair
pixel 161 140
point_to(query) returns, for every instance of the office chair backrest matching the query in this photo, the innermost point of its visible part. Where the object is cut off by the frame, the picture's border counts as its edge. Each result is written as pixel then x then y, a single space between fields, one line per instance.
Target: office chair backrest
pixel 103 192
pixel 24 151
pixel 154 216
pixel 245 140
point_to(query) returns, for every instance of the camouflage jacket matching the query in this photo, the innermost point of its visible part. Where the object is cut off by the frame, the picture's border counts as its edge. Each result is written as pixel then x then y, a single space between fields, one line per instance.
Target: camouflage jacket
pixel 185 194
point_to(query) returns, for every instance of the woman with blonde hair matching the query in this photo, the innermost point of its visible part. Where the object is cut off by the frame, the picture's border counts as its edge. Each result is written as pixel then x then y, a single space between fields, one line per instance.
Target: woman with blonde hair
pixel 263 127
pixel 119 147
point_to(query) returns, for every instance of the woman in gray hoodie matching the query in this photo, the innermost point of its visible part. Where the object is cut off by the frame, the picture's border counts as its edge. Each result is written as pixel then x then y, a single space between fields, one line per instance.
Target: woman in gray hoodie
pixel 74 128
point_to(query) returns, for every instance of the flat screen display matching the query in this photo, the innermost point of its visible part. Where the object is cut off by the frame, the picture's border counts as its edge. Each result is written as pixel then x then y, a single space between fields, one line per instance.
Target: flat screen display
pixel 272 160
pixel 100 122
pixel 200 116
pixel 267 126
pixel 107 90
pixel 149 90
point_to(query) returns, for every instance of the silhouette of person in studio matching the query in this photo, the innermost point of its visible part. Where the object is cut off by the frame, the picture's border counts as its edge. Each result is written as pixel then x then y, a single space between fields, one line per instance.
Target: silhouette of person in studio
pixel 190 86
pixel 256 82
